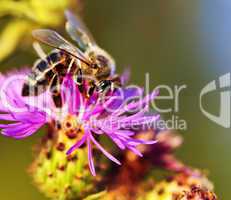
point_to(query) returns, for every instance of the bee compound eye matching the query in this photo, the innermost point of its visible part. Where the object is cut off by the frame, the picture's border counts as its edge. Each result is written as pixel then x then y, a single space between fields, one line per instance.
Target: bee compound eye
pixel 102 60
pixel 94 65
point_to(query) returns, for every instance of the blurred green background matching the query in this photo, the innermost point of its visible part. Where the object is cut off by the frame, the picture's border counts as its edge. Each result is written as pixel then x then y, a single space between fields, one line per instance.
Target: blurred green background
pixel 178 42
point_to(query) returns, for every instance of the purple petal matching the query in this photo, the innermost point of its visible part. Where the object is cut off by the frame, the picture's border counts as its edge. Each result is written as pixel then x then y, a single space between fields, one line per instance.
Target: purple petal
pixel 93 111
pixel 135 151
pixel 135 142
pixel 90 157
pixel 116 102
pixel 117 141
pixel 112 158
pixel 10 126
pixel 71 95
pixel 134 116
pixel 30 117
pixel 21 131
pixel 139 121
pixel 125 76
pixel 26 133
pixel 121 135
pixel 77 145
pixel 7 117
pixel 124 132
pixel 133 105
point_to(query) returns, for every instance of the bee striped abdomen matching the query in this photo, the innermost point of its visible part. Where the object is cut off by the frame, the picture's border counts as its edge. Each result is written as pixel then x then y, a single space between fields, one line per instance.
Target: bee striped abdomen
pixel 34 85
pixel 48 73
pixel 55 89
pixel 55 57
pixel 58 61
pixel 42 65
pixel 41 75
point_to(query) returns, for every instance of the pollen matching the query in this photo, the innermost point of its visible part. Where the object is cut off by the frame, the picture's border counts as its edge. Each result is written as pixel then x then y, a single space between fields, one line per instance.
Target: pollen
pixel 72 128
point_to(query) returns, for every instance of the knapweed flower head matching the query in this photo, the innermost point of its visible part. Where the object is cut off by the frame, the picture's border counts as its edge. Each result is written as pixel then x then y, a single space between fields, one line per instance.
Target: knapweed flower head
pixel 182 187
pixel 119 115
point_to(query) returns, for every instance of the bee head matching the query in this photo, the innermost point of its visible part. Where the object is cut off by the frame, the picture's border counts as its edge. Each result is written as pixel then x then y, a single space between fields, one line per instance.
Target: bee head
pixel 101 61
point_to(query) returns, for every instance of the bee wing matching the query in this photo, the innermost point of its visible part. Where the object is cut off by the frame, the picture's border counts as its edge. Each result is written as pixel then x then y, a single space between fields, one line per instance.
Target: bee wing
pixel 78 31
pixel 55 40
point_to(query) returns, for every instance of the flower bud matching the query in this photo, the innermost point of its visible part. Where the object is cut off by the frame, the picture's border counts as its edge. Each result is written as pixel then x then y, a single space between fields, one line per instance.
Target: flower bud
pixel 60 176
pixel 182 187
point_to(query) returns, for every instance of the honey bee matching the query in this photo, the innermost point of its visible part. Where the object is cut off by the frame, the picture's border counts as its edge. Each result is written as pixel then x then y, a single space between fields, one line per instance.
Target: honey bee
pixel 86 59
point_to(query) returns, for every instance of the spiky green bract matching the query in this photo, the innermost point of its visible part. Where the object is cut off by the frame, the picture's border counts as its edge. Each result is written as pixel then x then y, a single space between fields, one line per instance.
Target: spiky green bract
pixel 96 196
pixel 181 187
pixel 58 176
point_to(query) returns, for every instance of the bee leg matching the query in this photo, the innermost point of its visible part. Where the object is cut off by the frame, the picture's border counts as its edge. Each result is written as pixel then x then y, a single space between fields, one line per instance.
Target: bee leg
pixel 28 90
pixel 55 89
pixel 116 82
pixel 37 47
pixel 111 84
pixel 91 89
pixel 79 80
pixel 104 85
pixel 71 65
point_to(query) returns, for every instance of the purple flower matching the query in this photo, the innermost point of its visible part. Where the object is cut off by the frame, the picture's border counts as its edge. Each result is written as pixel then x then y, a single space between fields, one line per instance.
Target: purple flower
pixel 119 115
